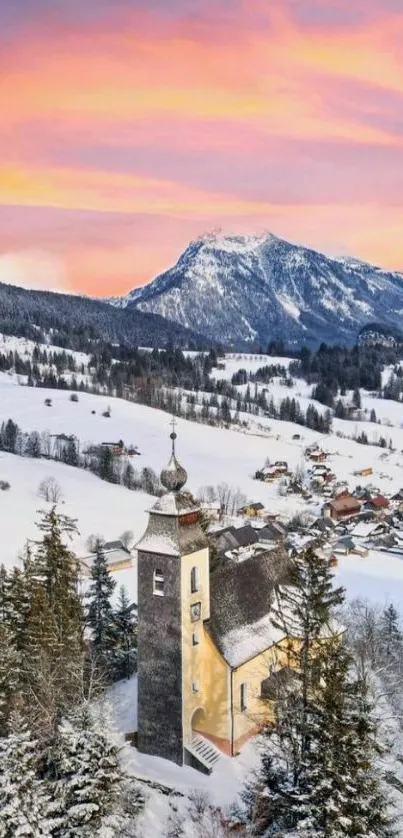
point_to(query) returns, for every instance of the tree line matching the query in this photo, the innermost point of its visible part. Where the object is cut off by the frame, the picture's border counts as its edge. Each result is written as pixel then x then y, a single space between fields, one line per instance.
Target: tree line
pixel 60 768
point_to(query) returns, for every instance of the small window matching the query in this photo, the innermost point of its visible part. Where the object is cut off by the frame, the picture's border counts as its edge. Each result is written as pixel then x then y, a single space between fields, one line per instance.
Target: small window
pixel 244 696
pixel 158 583
pixel 195 611
pixel 195 686
pixel 194 580
pixel 195 638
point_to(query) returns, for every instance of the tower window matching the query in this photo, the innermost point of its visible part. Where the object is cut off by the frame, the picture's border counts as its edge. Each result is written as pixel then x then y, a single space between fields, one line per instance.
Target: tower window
pixel 195 611
pixel 244 697
pixel 195 638
pixel 195 686
pixel 194 580
pixel 158 583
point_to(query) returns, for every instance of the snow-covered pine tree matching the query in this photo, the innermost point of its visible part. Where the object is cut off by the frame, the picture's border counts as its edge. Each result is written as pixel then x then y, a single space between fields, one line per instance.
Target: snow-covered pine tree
pixel 304 614
pixel 125 623
pixel 53 651
pixel 346 799
pixel 390 634
pixel 89 795
pixel 23 799
pixel 99 612
pixel 10 675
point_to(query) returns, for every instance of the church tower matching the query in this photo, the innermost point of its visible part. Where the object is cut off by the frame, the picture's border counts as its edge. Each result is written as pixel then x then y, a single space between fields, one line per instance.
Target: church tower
pixel 173 602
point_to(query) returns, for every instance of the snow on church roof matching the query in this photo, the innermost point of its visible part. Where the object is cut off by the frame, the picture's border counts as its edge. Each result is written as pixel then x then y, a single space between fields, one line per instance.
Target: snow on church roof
pixel 241 601
pixel 244 643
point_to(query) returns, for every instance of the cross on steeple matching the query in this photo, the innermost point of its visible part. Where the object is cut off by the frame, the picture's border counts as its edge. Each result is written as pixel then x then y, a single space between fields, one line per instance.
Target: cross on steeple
pixel 173 435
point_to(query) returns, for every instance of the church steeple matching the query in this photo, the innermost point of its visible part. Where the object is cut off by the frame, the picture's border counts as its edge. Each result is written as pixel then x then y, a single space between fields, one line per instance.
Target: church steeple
pixel 173 477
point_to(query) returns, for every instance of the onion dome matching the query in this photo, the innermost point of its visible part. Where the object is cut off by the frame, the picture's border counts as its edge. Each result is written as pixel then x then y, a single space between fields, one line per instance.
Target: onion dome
pixel 173 477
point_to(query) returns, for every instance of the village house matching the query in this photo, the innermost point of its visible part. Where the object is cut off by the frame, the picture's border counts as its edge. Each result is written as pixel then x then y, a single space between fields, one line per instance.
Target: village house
pixel 118 557
pixel 316 455
pixel 273 472
pixel 376 504
pixel 341 507
pixel 206 642
pixel 252 510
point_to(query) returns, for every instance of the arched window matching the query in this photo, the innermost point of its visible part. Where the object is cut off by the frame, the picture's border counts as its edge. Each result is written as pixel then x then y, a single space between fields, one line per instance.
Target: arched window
pixel 158 583
pixel 194 580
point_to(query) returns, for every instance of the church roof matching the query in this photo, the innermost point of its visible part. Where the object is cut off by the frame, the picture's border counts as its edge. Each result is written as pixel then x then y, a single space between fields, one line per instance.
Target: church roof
pixel 241 601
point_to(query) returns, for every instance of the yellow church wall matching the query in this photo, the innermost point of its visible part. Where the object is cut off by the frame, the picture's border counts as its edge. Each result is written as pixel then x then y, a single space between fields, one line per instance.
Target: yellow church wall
pixel 258 711
pixel 202 665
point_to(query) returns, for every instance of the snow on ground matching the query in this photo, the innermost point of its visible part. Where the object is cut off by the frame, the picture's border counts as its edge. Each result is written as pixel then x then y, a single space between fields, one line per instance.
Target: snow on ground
pixel 251 363
pixel 98 506
pixel 25 348
pixel 377 577
pixel 223 784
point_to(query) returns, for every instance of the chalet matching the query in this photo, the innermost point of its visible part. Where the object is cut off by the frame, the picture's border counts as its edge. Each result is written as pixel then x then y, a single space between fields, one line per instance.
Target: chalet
pixel 252 510
pixel 316 455
pixel 273 472
pixel 344 506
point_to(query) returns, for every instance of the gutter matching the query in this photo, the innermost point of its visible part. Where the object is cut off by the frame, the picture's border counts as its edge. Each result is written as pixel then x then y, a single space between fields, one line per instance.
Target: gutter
pixel 232 710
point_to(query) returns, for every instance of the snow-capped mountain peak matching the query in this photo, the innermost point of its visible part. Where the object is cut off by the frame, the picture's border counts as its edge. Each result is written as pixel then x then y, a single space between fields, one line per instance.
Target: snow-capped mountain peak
pixel 253 288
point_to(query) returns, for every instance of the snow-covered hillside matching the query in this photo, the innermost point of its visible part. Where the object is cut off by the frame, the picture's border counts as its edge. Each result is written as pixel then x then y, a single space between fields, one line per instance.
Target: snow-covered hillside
pixel 239 289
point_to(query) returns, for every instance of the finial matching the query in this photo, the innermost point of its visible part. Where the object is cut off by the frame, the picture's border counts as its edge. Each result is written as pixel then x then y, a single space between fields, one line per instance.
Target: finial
pixel 173 435
pixel 174 476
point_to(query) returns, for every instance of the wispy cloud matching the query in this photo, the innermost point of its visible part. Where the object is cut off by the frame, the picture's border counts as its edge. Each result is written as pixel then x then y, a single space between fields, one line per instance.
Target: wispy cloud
pixel 190 114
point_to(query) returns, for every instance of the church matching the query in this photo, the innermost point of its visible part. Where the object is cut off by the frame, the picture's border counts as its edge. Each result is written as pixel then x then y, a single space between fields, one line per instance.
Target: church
pixel 210 659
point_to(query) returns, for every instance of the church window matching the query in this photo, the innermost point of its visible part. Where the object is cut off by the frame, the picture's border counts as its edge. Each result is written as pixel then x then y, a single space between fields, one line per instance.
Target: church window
pixel 158 583
pixel 195 686
pixel 244 696
pixel 195 611
pixel 195 638
pixel 194 580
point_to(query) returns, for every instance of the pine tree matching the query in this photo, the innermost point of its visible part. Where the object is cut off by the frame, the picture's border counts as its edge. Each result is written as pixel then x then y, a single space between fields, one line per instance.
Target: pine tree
pixel 10 675
pixel 125 631
pixel 346 799
pixel 23 800
pixel 90 780
pixel 99 612
pixel 53 642
pixel 390 633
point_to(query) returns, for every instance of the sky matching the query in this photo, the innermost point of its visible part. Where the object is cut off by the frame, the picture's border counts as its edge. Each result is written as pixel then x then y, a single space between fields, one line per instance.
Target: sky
pixel 129 127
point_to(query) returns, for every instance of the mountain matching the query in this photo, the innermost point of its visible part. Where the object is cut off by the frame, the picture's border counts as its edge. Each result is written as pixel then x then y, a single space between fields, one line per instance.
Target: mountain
pixel 72 321
pixel 252 289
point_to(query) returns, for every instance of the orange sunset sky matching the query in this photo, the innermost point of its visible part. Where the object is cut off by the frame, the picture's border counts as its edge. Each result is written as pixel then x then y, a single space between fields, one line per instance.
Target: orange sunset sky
pixel 128 128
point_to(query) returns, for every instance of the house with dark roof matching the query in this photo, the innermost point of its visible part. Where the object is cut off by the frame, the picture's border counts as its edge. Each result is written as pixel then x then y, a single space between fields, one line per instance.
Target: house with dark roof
pixel 344 506
pixel 207 643
pixel 118 557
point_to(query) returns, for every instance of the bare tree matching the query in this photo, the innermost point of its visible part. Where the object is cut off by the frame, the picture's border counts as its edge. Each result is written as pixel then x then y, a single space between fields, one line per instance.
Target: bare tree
pixel 127 539
pixel 93 541
pixel 50 490
pixel 228 498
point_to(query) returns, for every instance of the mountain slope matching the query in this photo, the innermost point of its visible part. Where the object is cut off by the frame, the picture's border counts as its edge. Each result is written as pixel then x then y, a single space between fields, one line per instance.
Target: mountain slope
pixel 239 289
pixel 72 321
